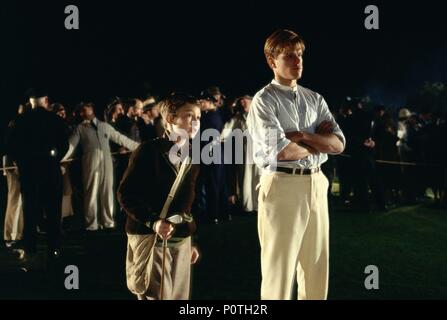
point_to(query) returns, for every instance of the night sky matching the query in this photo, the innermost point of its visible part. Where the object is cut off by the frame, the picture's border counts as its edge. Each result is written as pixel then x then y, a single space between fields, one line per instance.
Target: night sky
pixel 189 45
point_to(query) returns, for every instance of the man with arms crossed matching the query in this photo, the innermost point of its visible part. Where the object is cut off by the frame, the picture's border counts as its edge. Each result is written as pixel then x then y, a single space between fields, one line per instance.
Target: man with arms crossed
pixel 292 131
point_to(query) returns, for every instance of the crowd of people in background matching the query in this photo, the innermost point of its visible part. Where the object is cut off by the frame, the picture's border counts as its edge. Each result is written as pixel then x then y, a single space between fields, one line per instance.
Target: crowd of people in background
pixel 390 159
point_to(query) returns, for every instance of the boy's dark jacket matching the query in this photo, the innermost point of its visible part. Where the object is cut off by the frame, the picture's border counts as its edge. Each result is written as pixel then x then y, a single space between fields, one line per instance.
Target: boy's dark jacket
pixel 147 182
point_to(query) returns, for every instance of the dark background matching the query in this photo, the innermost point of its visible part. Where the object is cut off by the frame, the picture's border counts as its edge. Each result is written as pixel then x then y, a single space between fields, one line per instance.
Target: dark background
pixel 134 47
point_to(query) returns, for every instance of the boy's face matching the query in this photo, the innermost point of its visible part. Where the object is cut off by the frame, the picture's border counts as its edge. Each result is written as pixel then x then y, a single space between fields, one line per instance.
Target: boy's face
pixel 288 65
pixel 187 118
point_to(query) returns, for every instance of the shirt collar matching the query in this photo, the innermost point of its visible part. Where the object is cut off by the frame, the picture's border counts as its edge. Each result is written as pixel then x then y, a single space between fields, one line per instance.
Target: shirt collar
pixel 283 87
pixel 94 121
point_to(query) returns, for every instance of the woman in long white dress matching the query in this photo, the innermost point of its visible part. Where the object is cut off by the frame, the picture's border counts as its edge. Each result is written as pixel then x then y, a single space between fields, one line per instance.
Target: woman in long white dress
pixel 13 229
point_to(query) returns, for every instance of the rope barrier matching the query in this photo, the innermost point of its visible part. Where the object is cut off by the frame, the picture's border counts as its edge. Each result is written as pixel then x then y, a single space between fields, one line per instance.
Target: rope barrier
pixel 66 161
pixel 400 163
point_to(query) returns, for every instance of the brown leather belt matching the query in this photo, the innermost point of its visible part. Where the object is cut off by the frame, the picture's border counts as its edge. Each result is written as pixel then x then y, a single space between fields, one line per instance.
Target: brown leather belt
pixel 298 171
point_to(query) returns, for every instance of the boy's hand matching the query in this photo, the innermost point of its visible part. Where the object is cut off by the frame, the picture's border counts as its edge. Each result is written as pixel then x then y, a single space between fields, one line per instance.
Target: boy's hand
pixel 163 229
pixel 194 255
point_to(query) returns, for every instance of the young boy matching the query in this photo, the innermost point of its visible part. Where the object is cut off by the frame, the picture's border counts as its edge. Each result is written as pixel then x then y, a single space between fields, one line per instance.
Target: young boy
pixel 142 194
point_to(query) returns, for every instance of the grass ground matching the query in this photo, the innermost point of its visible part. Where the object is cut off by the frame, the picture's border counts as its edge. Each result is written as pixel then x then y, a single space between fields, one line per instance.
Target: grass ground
pixel 408 245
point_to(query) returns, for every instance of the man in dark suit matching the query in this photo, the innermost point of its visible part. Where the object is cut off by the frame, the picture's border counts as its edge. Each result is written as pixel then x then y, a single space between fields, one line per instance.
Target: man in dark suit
pixel 148 122
pixel 37 143
pixel 212 175
pixel 364 167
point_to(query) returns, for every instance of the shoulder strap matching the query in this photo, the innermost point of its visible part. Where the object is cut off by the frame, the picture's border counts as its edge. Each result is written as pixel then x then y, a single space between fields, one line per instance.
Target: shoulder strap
pixel 174 188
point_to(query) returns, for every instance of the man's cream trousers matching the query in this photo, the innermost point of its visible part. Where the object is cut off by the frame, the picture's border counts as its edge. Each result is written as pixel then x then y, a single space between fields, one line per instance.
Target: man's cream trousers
pixel 293 228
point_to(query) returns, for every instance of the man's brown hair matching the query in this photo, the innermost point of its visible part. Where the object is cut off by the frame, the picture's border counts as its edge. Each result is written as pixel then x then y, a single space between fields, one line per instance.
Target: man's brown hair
pixel 280 41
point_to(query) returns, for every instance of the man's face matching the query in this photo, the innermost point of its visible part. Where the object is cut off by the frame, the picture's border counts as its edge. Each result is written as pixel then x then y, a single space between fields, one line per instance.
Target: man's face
pixel 187 118
pixel 346 111
pixel 137 111
pixel 154 112
pixel 61 113
pixel 39 102
pixel 219 99
pixel 206 104
pixel 87 113
pixel 246 102
pixel 119 109
pixel 288 65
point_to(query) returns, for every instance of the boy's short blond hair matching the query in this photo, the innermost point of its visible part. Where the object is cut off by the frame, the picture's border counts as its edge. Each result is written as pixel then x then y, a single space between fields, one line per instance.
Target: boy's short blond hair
pixel 280 41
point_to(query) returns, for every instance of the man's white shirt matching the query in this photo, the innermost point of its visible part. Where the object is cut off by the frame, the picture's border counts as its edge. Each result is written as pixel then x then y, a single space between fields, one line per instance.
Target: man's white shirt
pixel 277 109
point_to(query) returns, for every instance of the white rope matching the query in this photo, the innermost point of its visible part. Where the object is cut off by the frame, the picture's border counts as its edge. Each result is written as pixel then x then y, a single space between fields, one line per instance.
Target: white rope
pixel 401 163
pixel 65 161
